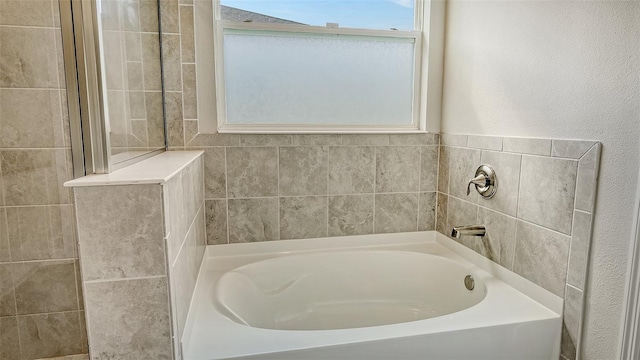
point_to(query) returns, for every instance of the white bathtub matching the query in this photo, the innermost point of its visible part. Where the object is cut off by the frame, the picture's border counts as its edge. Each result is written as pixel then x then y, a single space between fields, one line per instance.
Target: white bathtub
pixel 390 296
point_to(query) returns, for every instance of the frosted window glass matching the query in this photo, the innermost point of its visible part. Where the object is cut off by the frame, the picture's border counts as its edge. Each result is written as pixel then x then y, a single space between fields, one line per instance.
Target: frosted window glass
pixel 317 79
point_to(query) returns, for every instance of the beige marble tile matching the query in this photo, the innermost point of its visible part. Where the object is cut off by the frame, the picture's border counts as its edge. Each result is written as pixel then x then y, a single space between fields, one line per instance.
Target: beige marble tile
pixel 542 256
pixel 118 118
pixel 182 291
pixel 134 75
pixel 28 66
pixel 216 219
pixel 507 168
pixel 462 167
pixel 499 244
pixel 396 213
pixel 587 179
pixel 151 60
pixel 351 169
pixel 130 15
pixel 41 232
pixel 190 130
pixel 189 93
pixel 265 140
pixel 303 217
pixel 170 16
pixel 30 118
pixel 7 293
pixel 120 230
pixel 379 140
pixel 547 200
pixel 187 40
pixel 5 252
pixel 397 169
pixel 34 177
pixel 453 140
pixel 429 168
pixel 45 286
pixel 215 140
pixel 175 126
pixel 252 220
pixel 444 161
pixel 111 15
pixel 215 174
pixel 26 13
pixel 200 238
pixel 138 136
pixel 192 189
pixel 485 142
pixel 149 16
pixel 580 241
pixel 129 319
pixel 441 213
pixel 114 69
pixel 326 140
pixel 252 171
pixel 573 149
pixel 137 107
pixel 66 126
pixel 155 118
pixel 171 65
pixel 177 215
pixel 461 213
pixel 303 170
pixel 531 146
pixel 412 139
pixel 9 341
pixel 427 211
pixel 571 324
pixel 50 335
pixel 133 46
pixel 351 215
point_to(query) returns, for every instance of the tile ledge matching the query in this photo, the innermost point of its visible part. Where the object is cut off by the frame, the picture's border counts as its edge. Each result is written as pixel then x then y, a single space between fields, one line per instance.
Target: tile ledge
pixel 154 170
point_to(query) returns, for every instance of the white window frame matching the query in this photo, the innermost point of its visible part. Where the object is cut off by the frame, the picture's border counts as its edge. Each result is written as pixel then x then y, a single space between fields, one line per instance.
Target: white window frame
pixel 427 78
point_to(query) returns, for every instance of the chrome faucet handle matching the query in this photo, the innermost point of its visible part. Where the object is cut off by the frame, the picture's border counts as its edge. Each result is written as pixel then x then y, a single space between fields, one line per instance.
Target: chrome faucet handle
pixel 485 181
pixel 481 180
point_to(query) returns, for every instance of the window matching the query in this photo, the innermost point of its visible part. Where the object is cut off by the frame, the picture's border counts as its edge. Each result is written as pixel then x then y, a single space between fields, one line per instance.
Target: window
pixel 319 66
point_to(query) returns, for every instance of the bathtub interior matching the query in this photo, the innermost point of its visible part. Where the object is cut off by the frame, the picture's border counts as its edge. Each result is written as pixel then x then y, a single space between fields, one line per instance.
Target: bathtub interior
pixel 514 317
pixel 344 289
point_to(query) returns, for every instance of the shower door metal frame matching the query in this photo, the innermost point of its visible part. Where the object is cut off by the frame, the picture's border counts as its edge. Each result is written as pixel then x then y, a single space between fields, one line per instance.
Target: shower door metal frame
pixel 83 74
pixel 91 150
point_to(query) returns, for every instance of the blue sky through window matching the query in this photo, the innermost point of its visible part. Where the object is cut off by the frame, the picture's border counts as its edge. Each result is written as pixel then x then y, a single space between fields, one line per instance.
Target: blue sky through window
pixel 367 14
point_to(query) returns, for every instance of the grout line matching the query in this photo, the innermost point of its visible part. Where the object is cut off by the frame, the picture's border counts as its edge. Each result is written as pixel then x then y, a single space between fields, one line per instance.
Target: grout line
pixel 327 188
pixel 278 189
pixel 126 279
pixel 226 189
pixel 419 187
pixel 319 195
pixel 45 313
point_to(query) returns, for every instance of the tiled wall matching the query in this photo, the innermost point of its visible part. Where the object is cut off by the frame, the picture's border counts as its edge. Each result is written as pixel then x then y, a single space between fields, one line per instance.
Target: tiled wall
pixel 271 187
pixel 186 240
pixel 141 248
pixel 539 222
pixel 131 50
pixel 41 310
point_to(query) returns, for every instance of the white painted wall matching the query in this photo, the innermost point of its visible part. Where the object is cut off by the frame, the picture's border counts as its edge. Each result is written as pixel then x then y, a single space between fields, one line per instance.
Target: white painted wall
pixel 558 69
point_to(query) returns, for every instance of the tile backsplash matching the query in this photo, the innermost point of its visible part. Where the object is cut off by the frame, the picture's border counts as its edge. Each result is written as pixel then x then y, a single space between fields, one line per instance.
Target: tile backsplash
pixel 539 222
pixel 271 187
pixel 41 309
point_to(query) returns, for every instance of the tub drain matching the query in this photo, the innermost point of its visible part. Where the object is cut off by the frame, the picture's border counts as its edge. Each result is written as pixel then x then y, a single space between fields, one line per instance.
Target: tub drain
pixel 469 283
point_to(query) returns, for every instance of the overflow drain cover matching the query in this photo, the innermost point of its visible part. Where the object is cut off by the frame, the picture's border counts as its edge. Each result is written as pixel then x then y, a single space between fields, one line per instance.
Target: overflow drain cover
pixel 469 283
